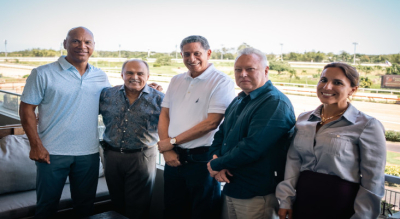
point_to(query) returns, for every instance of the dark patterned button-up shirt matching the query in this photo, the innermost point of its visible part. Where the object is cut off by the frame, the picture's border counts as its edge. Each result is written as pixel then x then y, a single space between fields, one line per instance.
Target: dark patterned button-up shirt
pixel 130 126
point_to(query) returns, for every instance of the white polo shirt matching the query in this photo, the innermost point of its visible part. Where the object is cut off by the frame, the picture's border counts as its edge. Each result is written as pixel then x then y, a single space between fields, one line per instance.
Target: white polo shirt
pixel 191 99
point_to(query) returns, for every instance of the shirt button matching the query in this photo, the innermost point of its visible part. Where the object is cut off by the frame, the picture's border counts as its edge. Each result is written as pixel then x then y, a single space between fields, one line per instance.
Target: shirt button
pixel 129 110
pixel 124 130
pixel 126 120
pixel 224 143
pixel 189 92
pixel 338 136
pixel 122 141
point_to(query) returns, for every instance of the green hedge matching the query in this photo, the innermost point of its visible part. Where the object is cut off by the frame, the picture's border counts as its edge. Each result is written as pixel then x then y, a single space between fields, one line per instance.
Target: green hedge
pixel 392 136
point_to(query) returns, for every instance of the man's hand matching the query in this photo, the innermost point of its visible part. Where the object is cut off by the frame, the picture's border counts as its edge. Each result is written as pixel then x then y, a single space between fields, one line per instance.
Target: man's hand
pixel 171 158
pixel 212 172
pixel 283 212
pixel 165 145
pixel 222 177
pixel 40 154
pixel 156 86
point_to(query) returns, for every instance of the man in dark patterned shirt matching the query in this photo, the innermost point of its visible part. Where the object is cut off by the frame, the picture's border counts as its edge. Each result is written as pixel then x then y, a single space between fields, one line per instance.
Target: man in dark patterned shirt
pixel 130 113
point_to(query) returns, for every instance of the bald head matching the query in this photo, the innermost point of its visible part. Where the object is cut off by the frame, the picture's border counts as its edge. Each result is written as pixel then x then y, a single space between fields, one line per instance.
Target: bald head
pixel 79 45
pixel 75 29
pixel 135 60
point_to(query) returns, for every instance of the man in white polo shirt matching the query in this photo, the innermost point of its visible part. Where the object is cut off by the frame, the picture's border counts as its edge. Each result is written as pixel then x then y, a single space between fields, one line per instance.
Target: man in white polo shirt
pixel 192 110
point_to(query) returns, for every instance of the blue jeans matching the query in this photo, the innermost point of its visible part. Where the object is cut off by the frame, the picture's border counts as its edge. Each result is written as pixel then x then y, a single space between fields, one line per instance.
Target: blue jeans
pixel 189 191
pixel 83 172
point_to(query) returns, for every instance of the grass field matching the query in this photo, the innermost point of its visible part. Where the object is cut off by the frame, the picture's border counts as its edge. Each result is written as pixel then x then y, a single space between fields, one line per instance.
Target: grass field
pixel 393 158
pixel 304 75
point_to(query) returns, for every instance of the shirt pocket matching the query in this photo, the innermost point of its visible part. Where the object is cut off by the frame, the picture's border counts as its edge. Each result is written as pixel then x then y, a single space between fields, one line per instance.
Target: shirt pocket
pixel 336 144
pixel 303 141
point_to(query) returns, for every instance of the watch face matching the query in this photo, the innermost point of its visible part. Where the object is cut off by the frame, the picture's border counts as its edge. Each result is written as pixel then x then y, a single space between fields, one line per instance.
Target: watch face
pixel 172 141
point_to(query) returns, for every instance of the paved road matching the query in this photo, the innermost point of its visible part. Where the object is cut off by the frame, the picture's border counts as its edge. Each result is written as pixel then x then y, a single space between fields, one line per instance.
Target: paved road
pixel 388 114
pixel 393 146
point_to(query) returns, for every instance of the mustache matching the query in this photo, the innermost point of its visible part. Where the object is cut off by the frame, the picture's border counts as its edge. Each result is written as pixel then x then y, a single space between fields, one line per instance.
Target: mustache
pixel 138 81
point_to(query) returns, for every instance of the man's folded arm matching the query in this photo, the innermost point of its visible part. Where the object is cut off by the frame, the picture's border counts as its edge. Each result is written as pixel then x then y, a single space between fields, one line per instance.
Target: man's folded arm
pixel 263 134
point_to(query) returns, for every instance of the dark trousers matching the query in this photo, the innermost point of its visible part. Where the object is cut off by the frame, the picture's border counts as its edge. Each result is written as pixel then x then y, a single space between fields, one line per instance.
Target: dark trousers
pixel 189 191
pixel 83 172
pixel 317 192
pixel 130 179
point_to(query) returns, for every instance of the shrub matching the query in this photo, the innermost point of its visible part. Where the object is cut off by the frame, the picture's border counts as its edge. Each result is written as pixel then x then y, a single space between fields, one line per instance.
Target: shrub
pixel 392 135
pixel 156 65
pixel 1 75
pixel 392 170
pixel 163 60
pixel 25 76
pixel 365 82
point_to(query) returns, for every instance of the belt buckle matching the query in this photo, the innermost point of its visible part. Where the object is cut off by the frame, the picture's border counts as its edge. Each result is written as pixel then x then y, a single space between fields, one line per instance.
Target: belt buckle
pixel 122 150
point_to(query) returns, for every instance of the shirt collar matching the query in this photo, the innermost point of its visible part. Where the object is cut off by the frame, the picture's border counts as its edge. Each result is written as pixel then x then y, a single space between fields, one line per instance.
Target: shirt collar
pixel 350 114
pixel 255 93
pixel 65 65
pixel 203 75
pixel 146 89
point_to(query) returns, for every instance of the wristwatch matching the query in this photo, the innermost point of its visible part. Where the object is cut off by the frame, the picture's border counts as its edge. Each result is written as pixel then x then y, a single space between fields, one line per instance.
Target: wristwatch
pixel 172 141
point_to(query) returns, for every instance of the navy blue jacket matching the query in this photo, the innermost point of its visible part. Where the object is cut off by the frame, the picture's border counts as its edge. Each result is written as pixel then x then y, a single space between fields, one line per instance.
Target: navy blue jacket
pixel 253 140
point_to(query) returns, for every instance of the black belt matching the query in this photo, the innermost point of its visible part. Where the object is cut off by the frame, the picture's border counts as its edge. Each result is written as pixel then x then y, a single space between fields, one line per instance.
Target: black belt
pixel 106 147
pixel 198 150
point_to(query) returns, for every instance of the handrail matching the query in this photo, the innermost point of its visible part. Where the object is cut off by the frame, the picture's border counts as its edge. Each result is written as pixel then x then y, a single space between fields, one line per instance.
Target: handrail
pixel 313 85
pixel 392 179
pixel 9 92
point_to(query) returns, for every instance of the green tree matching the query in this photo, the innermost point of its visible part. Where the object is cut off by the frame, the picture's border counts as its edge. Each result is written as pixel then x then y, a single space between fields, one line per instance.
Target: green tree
pixel 345 56
pixel 368 69
pixel 319 56
pixel 292 73
pixel 271 57
pixel 242 46
pixel 393 70
pixel 279 66
pixel 395 58
pixel 216 54
pixel 365 58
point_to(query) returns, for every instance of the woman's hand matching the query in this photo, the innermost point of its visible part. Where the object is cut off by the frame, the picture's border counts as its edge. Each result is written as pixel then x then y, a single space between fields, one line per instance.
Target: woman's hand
pixel 283 212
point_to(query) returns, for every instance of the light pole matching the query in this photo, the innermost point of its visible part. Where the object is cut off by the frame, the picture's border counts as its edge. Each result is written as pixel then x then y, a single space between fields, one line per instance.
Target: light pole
pixel 222 46
pixel 61 47
pixel 176 51
pixel 119 52
pixel 5 47
pixel 148 53
pixel 281 51
pixel 354 60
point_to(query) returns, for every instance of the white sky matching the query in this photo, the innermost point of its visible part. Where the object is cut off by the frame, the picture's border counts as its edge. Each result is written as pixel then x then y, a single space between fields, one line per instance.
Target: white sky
pixel 159 25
